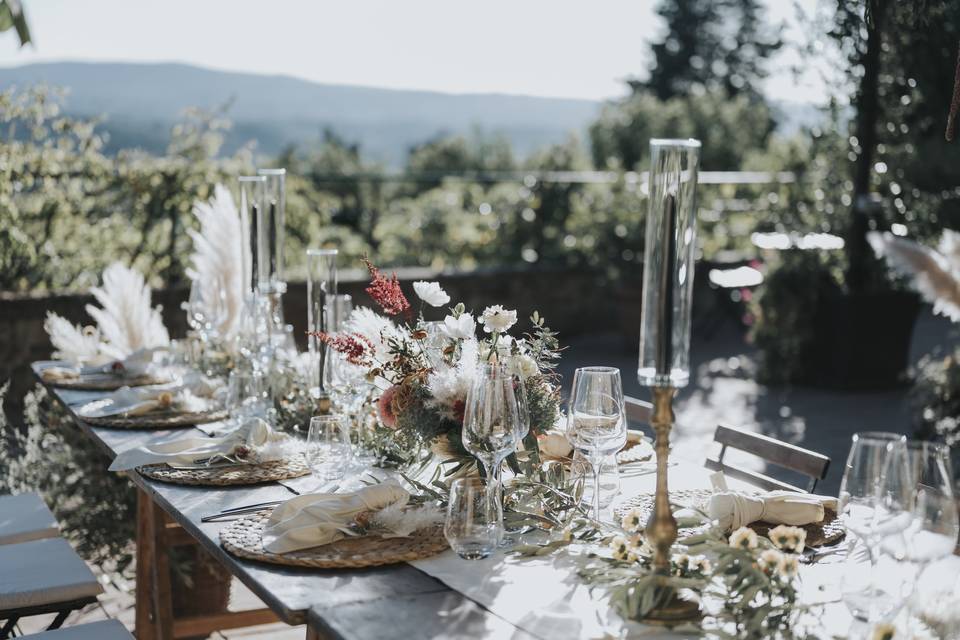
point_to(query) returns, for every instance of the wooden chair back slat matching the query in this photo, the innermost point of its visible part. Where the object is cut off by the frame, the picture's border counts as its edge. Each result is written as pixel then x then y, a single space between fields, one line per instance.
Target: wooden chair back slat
pixel 637 411
pixel 755 478
pixel 809 463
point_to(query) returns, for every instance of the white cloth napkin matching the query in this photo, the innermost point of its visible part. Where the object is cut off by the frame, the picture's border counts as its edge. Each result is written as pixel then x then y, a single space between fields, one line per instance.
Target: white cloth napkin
pixel 253 442
pixel 139 363
pixel 734 510
pixel 192 393
pixel 313 520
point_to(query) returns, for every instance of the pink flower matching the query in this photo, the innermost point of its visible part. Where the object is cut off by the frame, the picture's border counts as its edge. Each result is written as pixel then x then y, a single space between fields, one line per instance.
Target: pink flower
pixel 386 291
pixel 385 407
pixel 356 348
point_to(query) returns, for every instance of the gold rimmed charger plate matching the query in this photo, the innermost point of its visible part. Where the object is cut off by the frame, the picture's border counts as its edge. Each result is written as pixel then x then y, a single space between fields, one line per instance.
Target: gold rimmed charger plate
pixel 229 474
pixel 827 532
pixel 244 539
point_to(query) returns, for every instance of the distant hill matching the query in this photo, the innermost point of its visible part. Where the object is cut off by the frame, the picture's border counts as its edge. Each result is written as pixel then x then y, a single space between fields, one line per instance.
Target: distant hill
pixel 142 101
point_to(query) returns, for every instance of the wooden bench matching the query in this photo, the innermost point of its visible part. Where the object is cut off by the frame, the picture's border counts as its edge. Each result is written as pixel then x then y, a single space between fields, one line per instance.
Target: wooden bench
pixel 103 630
pixel 25 517
pixel 40 577
pixel 808 463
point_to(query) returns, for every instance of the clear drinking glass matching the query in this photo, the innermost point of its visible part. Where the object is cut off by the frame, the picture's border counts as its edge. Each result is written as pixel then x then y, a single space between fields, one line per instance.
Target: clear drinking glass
pixel 491 422
pixel 871 503
pixel 246 394
pixel 321 292
pixel 596 422
pixel 669 253
pixel 328 446
pixel 472 526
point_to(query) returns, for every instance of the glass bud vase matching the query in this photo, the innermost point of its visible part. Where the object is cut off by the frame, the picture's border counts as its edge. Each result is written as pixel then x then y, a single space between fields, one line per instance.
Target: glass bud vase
pixel 668 266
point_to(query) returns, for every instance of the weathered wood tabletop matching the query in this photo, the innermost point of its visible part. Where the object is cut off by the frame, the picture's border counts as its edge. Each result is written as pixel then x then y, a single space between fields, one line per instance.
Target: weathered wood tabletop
pixel 416 602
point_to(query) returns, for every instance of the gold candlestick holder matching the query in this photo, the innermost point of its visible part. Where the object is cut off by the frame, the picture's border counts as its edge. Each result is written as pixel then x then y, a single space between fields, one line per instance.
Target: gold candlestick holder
pixel 662 526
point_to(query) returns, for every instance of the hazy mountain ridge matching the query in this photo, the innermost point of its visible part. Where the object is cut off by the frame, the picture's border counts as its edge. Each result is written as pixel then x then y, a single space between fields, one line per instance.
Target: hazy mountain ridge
pixel 142 101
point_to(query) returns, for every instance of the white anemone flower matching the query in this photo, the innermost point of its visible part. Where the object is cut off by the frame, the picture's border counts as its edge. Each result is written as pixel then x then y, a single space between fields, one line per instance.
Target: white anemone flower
pixel 497 319
pixel 431 293
pixel 461 328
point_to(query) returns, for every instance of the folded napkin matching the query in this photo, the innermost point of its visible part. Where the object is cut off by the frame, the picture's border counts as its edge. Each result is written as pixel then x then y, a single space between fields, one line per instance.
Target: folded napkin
pixel 313 520
pixel 253 442
pixel 139 363
pixel 193 393
pixel 734 510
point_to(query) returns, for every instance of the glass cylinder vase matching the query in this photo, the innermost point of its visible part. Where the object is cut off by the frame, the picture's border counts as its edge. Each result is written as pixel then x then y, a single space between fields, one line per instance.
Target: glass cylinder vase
pixel 273 237
pixel 321 293
pixel 668 264
pixel 252 191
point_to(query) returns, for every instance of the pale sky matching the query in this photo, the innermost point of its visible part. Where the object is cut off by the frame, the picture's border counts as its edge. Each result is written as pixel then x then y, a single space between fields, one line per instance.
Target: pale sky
pixel 582 49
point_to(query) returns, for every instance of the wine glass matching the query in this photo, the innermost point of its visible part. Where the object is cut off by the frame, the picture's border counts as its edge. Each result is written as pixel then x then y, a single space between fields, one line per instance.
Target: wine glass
pixel 596 422
pixel 872 502
pixel 490 427
pixel 470 527
pixel 328 450
pixel 934 524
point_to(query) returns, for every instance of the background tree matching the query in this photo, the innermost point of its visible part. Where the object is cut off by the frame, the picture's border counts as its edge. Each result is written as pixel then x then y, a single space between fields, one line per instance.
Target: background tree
pixel 710 44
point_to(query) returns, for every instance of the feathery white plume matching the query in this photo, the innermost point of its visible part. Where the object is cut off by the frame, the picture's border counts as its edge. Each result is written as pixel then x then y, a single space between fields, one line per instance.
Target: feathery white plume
pixel 450 384
pixel 72 343
pixel 217 260
pixel 377 329
pixel 935 275
pixel 126 320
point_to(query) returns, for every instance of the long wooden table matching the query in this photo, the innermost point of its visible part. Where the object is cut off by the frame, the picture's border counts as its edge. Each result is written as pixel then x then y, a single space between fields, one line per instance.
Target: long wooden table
pixel 288 593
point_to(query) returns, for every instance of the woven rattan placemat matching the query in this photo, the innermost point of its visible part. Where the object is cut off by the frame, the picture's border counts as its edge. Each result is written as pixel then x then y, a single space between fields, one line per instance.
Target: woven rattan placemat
pixel 243 538
pixel 828 532
pixel 226 475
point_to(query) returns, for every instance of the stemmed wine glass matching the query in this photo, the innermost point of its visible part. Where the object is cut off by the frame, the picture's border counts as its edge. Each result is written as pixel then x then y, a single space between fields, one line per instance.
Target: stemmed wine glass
pixel 596 422
pixel 934 523
pixel 491 423
pixel 873 502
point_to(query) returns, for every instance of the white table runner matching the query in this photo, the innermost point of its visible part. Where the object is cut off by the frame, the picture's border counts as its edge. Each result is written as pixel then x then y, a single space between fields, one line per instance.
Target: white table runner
pixel 544 596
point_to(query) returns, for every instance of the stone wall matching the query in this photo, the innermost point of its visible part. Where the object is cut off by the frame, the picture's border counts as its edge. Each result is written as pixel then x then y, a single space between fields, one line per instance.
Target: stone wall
pixel 573 302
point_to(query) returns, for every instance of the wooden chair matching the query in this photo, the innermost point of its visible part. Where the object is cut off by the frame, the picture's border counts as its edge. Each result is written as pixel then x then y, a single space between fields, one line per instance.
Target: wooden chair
pixel 638 411
pixel 40 577
pixel 809 463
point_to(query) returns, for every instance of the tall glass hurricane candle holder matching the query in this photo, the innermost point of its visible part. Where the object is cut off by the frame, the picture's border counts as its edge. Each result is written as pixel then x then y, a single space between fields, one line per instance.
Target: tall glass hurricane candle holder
pixel 665 333
pixel 272 237
pixel 252 192
pixel 321 293
pixel 254 332
pixel 668 264
pixel 271 241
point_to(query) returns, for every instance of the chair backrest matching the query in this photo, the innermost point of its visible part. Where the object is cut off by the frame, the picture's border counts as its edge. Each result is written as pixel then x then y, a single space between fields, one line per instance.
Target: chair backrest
pixel 637 411
pixel 809 463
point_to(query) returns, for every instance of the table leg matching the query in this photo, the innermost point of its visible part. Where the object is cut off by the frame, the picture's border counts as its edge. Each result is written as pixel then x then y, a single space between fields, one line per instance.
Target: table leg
pixel 144 567
pixel 162 600
pixel 154 612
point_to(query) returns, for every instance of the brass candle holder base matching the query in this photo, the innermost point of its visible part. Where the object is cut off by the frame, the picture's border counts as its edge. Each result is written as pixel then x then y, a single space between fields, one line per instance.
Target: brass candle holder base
pixel 323 405
pixel 662 527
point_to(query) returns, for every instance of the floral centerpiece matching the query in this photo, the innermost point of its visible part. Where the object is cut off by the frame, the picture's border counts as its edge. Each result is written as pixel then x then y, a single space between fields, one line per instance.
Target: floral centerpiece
pixel 423 370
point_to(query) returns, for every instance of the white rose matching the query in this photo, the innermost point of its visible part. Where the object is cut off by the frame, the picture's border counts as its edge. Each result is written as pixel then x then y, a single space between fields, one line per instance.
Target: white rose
pixel 460 328
pixel 431 293
pixel 555 445
pixel 524 366
pixel 498 319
